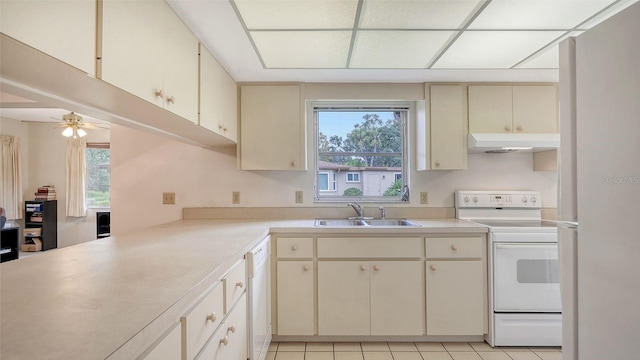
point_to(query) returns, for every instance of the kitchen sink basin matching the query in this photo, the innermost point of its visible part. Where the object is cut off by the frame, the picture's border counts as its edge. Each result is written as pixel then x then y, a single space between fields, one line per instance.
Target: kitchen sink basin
pixel 374 222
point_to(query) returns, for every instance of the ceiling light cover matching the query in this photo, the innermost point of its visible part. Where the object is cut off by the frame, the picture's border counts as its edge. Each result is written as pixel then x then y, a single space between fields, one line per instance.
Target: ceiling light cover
pixel 416 14
pixel 308 14
pixel 67 132
pixel 303 49
pixel 494 49
pixel 537 14
pixel 397 49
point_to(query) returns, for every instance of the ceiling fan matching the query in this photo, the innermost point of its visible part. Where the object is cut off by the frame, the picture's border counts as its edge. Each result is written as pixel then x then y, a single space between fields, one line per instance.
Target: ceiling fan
pixel 74 127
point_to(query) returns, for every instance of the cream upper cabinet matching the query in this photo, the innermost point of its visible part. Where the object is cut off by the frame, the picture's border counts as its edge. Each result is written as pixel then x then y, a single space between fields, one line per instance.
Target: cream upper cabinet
pixel 295 296
pixel 490 109
pixel 513 109
pixel 272 128
pixel 535 109
pixel 448 124
pixel 65 30
pixel 148 51
pixel 218 98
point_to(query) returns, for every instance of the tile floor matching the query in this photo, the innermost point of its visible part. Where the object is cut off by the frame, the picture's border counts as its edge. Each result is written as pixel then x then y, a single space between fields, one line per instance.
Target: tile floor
pixel 407 351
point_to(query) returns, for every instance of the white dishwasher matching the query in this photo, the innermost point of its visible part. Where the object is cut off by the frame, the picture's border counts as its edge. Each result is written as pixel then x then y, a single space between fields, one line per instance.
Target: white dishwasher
pixel 259 300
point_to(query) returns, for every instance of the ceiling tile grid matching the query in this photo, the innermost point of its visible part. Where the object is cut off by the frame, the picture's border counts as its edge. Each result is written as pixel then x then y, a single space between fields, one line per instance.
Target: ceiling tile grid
pixel 416 34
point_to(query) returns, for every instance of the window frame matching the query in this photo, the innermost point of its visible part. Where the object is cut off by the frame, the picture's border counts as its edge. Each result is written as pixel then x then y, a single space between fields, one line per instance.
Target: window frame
pixel 99 145
pixel 408 110
pixel 353 174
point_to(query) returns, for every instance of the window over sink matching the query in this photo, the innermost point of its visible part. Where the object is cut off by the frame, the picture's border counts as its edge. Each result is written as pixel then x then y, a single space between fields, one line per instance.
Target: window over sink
pixel 361 151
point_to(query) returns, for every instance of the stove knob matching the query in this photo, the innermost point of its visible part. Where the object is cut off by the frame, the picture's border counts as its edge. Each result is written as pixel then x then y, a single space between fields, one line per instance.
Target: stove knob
pixel 533 199
pixel 475 199
pixel 466 199
pixel 524 199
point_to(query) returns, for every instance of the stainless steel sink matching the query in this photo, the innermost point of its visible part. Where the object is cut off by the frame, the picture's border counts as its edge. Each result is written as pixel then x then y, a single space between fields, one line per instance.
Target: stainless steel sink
pixel 375 222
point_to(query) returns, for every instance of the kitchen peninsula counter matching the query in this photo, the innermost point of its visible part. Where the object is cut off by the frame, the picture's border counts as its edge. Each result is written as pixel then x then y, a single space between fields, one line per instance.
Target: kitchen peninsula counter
pixel 112 298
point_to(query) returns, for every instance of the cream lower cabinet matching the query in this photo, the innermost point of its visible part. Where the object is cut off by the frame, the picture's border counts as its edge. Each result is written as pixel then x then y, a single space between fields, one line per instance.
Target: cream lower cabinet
pixel 295 298
pixel 168 348
pixel 229 342
pixel 456 287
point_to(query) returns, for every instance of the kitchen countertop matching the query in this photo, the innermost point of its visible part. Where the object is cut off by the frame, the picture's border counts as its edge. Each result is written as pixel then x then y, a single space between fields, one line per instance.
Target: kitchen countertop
pixel 86 301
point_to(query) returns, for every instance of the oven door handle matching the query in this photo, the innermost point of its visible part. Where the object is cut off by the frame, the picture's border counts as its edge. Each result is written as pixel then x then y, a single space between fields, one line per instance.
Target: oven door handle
pixel 524 246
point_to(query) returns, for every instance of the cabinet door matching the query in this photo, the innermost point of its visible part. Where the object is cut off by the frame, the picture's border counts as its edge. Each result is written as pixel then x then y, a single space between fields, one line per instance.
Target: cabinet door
pixel 490 109
pixel 272 128
pixel 218 98
pixel 295 296
pixel 229 342
pixel 455 298
pixel 343 298
pixel 65 30
pixel 396 298
pixel 448 127
pixel 146 38
pixel 535 109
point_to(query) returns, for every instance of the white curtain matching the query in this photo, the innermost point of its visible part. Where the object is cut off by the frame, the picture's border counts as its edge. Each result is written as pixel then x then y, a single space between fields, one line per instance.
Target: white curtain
pixel 76 178
pixel 11 176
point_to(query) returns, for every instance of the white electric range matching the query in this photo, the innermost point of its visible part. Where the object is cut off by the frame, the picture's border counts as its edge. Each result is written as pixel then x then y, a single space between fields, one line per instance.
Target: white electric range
pixel 524 280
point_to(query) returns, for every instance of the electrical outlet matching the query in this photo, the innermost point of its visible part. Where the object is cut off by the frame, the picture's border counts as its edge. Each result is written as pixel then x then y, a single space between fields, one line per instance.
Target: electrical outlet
pixel 424 197
pixel 169 198
pixel 235 198
pixel 298 197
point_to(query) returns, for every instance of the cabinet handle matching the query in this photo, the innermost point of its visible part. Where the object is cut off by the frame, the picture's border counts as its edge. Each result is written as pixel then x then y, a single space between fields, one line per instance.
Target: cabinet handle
pixel 433 267
pixel 363 267
pixel 507 128
pixel 219 127
pixel 454 247
pixel 232 328
pixel 306 268
pixel 211 317
pixel 239 284
pixel 224 129
pixel 171 100
pixel 519 128
pixel 293 164
pixel 159 93
pixel 376 267
pixel 224 340
pixel 437 163
pixel 294 247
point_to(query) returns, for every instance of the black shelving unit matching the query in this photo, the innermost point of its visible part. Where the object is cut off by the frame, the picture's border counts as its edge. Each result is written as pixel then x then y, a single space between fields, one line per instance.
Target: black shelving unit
pixel 47 212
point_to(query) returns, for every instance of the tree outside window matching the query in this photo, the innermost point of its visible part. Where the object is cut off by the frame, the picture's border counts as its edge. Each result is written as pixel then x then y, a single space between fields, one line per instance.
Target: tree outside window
pixel 98 175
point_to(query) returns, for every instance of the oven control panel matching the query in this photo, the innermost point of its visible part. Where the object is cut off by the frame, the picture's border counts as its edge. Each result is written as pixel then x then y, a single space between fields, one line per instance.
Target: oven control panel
pixel 497 199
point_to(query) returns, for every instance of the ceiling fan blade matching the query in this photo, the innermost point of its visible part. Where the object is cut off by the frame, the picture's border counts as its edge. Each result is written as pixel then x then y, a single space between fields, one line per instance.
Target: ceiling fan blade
pixel 95 126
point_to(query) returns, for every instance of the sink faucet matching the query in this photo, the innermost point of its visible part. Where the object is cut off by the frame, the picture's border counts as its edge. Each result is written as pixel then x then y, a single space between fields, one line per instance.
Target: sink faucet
pixel 357 208
pixel 382 214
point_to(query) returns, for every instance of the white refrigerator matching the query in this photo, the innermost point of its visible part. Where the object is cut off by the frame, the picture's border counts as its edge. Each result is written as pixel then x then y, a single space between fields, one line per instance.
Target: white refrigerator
pixel 599 190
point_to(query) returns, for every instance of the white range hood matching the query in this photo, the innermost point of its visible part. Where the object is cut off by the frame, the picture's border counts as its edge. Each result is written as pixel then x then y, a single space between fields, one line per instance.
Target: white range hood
pixel 499 143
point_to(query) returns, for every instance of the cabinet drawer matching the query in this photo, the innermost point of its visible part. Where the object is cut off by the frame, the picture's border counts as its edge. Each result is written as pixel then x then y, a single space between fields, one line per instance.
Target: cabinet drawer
pixel 295 248
pixel 235 283
pixel 230 340
pixel 454 247
pixel 369 248
pixel 201 321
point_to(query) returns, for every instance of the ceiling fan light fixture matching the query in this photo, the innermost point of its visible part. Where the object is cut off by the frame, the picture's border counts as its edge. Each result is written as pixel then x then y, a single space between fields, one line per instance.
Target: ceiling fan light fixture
pixel 82 133
pixel 67 132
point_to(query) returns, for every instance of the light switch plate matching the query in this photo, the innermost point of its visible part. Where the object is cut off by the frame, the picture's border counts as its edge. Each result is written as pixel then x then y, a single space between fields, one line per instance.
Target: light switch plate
pixel 235 197
pixel 299 198
pixel 424 197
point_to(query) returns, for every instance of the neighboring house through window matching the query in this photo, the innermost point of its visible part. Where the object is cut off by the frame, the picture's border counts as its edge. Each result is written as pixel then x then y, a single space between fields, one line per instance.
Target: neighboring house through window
pixel 353 177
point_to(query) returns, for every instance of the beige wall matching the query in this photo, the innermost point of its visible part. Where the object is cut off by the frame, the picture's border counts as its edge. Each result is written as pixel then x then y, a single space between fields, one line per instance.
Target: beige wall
pixel 43 152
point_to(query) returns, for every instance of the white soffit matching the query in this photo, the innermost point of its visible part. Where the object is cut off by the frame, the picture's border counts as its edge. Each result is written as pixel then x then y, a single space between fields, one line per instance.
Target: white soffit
pixel 307 14
pixel 494 49
pixel 397 49
pixel 416 14
pixel 303 49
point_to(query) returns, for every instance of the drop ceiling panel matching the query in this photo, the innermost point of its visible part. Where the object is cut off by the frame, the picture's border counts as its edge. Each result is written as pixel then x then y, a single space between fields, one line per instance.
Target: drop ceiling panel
pixel 548 58
pixel 397 49
pixel 303 49
pixel 537 14
pixel 494 49
pixel 608 12
pixel 308 14
pixel 416 14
